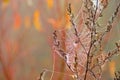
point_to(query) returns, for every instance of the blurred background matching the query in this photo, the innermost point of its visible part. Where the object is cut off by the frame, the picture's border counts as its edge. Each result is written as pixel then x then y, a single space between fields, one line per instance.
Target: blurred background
pixel 25 28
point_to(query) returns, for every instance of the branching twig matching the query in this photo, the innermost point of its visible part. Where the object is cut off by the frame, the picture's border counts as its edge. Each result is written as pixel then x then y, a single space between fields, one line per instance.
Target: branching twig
pixel 72 57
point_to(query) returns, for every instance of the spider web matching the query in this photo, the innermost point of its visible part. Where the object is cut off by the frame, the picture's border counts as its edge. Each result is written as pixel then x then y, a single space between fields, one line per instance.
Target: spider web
pixel 73 48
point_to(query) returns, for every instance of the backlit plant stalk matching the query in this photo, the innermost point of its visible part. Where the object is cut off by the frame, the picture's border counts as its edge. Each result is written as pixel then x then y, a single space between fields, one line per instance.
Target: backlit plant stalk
pixel 83 53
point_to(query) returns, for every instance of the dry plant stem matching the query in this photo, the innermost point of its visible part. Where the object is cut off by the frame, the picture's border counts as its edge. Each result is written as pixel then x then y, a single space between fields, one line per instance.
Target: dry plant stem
pixel 95 44
pixel 58 49
pixel 74 26
pixel 107 57
pixel 110 22
pixel 108 29
pixel 57 45
pixel 87 65
pixel 78 39
pixel 91 44
pixel 115 51
pixel 42 75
